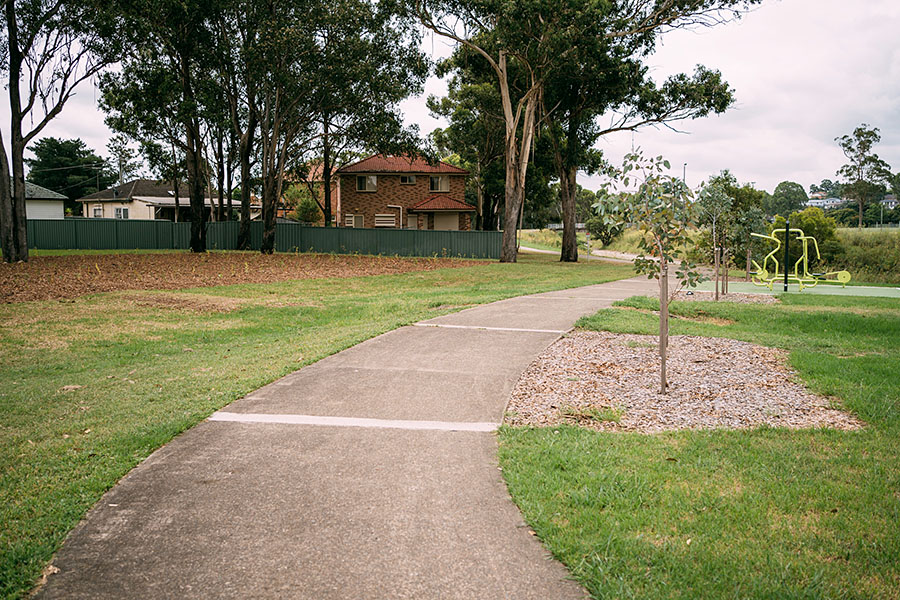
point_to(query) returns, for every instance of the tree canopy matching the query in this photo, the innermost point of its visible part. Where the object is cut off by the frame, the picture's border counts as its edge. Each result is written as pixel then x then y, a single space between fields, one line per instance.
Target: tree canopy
pixel 787 197
pixel 865 174
pixel 68 167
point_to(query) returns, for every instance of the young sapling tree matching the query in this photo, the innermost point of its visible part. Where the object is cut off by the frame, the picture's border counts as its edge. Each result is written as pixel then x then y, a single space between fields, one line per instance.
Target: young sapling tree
pixel 661 208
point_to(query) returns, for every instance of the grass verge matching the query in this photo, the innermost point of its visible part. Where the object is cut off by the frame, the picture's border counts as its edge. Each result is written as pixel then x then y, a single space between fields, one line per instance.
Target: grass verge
pixel 765 513
pixel 93 385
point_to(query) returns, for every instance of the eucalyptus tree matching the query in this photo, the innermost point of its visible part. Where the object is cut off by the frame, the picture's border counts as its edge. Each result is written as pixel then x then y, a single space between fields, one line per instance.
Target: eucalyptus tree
pixel 714 206
pixel 475 130
pixel 157 94
pixel 284 107
pixel 604 80
pixel 865 173
pixel 367 60
pixel 539 37
pixel 663 210
pixel 47 48
pixel 238 36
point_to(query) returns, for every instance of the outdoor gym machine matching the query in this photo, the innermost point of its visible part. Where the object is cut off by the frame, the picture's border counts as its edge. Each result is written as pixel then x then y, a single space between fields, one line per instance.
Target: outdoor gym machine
pixel 763 277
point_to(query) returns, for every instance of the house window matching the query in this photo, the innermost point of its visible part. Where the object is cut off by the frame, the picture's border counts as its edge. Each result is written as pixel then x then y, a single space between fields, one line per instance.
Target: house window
pixel 366 183
pixel 121 213
pixel 407 180
pixel 439 183
pixel 386 221
pixel 354 221
pixel 98 212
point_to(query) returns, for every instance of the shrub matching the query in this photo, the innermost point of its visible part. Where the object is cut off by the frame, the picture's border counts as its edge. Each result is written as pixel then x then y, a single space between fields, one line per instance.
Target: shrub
pixel 870 255
pixel 602 232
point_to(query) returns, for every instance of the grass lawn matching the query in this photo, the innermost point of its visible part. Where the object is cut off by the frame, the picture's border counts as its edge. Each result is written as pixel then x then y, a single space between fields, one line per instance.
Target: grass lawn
pixel 92 386
pixel 764 513
pixel 548 239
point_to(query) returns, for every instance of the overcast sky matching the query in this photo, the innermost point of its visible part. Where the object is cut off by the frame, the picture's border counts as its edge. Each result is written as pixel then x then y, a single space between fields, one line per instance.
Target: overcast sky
pixel 803 71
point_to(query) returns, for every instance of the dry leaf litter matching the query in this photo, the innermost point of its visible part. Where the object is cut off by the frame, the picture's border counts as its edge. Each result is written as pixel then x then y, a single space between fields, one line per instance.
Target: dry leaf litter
pixel 610 382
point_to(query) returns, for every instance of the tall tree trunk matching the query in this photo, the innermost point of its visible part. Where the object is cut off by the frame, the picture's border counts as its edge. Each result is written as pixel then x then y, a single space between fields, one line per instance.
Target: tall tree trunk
pixel 326 172
pixel 7 241
pixel 245 152
pixel 269 204
pixel 663 321
pixel 229 175
pixel 14 230
pixel 176 183
pixel 479 197
pixel 195 186
pixel 515 196
pixel 567 192
pixel 194 162
pixel 516 157
pixel 214 209
pixel 220 174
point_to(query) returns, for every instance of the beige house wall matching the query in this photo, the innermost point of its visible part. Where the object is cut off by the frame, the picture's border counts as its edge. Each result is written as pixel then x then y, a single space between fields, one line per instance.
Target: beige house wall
pixel 136 209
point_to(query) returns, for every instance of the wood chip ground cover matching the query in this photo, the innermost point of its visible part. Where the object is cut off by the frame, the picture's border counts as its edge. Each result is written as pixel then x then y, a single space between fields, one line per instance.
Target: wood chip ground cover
pixel 70 276
pixel 609 382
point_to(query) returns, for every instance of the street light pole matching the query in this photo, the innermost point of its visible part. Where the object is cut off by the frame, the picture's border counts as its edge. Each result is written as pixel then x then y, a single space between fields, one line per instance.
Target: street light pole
pixel 684 174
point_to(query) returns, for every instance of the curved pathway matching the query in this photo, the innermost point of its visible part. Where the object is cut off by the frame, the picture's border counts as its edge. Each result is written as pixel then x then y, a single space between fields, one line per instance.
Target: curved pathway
pixel 369 474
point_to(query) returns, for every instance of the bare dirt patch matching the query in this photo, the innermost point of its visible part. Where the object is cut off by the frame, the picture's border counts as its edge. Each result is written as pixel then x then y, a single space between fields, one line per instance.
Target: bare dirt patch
pixel 609 382
pixel 70 276
pixel 187 302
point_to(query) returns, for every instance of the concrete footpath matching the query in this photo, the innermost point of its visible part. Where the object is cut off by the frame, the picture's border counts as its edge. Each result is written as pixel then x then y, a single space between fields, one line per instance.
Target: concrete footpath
pixel 370 474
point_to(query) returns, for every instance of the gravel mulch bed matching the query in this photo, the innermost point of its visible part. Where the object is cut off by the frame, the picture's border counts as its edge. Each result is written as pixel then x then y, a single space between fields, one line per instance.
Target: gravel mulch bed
pixel 70 276
pixel 609 382
pixel 730 297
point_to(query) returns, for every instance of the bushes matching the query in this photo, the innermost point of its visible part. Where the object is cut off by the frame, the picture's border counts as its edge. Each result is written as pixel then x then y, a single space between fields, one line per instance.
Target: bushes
pixel 870 255
pixel 601 232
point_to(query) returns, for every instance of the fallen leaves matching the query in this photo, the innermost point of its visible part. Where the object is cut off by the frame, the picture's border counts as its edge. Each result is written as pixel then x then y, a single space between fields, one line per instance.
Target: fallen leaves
pixel 70 276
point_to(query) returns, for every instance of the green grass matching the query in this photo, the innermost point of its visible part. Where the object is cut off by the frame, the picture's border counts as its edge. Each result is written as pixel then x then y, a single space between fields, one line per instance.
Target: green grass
pixel 763 513
pixel 548 239
pixel 147 373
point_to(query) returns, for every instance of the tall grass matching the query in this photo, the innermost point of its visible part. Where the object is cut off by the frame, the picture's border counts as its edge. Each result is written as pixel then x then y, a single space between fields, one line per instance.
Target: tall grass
pixel 870 254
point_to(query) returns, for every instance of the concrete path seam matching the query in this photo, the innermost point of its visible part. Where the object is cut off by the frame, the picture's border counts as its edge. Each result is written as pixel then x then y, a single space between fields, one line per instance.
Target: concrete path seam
pixel 485 328
pixel 353 422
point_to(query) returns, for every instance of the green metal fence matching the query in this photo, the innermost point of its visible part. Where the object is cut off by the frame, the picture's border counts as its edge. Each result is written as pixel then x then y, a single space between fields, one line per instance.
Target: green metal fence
pixel 122 234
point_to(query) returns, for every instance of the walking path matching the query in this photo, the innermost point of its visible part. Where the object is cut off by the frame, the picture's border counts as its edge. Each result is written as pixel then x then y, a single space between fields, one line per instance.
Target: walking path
pixel 370 474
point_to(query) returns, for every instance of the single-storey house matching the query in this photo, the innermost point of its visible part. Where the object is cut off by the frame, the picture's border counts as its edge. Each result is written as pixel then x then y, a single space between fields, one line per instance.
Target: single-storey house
pixel 41 203
pixel 146 199
pixel 402 192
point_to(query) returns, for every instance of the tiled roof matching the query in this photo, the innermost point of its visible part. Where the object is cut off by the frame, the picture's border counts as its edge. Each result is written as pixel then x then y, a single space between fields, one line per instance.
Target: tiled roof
pixel 34 191
pixel 139 187
pixel 381 163
pixel 441 203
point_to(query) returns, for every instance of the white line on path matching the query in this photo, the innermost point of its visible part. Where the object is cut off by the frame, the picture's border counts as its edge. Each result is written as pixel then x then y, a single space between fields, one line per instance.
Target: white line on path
pixel 490 328
pixel 351 422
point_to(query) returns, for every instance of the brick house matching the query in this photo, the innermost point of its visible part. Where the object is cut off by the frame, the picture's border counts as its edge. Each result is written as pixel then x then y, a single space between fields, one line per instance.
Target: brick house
pixel 400 192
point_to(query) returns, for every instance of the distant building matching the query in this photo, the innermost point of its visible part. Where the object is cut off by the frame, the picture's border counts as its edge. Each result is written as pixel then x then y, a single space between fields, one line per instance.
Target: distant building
pixel 890 202
pixel 402 192
pixel 146 199
pixel 824 203
pixel 41 203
